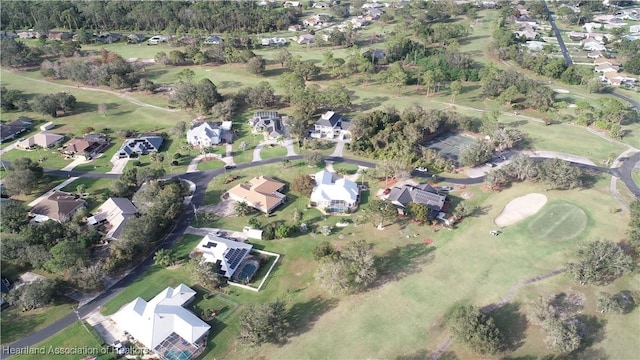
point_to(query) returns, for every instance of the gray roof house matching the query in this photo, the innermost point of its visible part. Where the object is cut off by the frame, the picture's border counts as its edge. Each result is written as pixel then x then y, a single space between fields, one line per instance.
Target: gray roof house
pixel 267 122
pixel 116 212
pixel 12 129
pixel 331 125
pixel 204 135
pixel 140 146
pixel 421 194
pixel 59 206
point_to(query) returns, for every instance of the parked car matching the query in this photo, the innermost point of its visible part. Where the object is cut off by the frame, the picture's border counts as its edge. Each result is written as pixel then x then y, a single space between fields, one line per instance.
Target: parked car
pixel 155 40
pixel 229 167
pixel 491 165
pixel 421 169
pixel 445 188
pixel 386 191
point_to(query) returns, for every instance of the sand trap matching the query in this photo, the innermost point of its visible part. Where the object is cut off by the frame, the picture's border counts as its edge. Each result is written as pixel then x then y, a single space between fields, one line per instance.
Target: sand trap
pixel 561 91
pixel 520 208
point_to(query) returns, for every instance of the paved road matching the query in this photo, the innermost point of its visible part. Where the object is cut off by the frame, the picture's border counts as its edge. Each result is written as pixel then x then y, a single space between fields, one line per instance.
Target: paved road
pixel 202 179
pixel 563 47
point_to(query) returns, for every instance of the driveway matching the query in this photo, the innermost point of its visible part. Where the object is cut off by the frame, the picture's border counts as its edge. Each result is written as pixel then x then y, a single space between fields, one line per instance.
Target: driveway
pixel 74 163
pixel 108 330
pixel 338 150
pixel 118 165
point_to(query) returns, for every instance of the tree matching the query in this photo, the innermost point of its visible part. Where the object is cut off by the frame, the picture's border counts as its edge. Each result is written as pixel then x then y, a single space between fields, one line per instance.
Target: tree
pixel 322 250
pixel 330 275
pixel 608 303
pixel 496 179
pixel 418 212
pixel 65 255
pixel 380 211
pixel 51 104
pixel 562 336
pixel 540 98
pixel 206 95
pixel 475 330
pixel 314 159
pixel 264 323
pixel 476 153
pixel 306 69
pixel 203 273
pixel 256 65
pixel 241 208
pixel 455 87
pixel 284 57
pixel 165 257
pixel 33 295
pixel 599 262
pixel 522 167
pixel 23 176
pixel 303 185
pixel 362 272
pixel 559 174
pixel 15 216
pixel 394 75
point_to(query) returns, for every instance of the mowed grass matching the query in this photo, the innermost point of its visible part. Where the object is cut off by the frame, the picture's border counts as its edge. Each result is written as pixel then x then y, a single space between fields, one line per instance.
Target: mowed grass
pixel 558 221
pixel 73 338
pixel 98 189
pixel 273 151
pixel 16 323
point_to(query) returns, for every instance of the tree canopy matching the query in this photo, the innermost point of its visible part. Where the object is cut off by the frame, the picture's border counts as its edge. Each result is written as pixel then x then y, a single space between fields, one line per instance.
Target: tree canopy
pixel 475 330
pixel 264 323
pixel 599 262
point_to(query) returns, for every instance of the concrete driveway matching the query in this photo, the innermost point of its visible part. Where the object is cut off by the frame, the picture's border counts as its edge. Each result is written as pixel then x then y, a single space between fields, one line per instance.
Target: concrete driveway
pixel 108 329
pixel 118 165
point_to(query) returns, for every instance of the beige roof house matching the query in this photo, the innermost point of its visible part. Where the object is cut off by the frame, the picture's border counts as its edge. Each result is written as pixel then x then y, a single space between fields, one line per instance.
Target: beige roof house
pixel 261 193
pixel 603 60
pixel 116 212
pixel 59 206
pixel 43 140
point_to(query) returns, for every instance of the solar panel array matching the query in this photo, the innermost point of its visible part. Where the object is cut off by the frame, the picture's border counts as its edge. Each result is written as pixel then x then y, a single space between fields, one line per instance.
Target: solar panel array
pixel 234 256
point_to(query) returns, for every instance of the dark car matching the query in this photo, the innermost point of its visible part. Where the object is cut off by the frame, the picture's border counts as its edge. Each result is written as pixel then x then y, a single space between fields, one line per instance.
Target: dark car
pixel 229 167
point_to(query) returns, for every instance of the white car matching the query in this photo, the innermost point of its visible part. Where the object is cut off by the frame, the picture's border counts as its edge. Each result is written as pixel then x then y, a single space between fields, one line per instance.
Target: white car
pixel 155 40
pixel 421 169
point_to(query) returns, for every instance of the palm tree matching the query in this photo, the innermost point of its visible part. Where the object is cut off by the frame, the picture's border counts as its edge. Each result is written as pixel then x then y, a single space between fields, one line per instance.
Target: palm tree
pixel 241 208
pixel 164 257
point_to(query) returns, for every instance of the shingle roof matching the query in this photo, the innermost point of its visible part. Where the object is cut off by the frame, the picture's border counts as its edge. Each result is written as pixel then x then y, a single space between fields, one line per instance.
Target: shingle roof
pixel 58 206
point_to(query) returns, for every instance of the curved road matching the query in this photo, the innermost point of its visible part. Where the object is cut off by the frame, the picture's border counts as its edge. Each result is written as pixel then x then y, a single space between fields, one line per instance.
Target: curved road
pixel 202 179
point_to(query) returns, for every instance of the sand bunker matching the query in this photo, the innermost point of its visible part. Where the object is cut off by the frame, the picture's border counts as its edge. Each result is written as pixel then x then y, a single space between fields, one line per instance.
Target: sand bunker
pixel 520 208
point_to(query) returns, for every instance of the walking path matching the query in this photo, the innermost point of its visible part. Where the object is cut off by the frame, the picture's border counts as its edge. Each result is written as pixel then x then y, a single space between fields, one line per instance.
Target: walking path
pixel 505 300
pixel 48 193
pixel 613 185
pixel 115 93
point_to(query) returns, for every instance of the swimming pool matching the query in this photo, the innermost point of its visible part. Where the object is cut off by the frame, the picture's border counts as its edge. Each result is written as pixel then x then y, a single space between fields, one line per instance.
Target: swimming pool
pixel 247 271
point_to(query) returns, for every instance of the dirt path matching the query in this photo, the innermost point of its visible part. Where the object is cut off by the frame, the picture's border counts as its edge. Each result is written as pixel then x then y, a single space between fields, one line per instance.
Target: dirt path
pixel 115 93
pixel 491 307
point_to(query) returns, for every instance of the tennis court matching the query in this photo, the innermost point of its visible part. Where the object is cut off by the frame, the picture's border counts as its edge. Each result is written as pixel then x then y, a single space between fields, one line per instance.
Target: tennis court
pixel 448 145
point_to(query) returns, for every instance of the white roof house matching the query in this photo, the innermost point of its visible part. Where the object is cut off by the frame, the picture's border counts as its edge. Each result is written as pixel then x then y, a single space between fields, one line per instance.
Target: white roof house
pixel 334 193
pixel 225 253
pixel 634 29
pixel 150 323
pixel 115 211
pixel 204 135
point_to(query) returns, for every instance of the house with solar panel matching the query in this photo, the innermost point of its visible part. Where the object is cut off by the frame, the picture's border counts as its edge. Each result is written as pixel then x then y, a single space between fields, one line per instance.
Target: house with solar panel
pixel 421 194
pixel 140 146
pixel 268 123
pixel 232 259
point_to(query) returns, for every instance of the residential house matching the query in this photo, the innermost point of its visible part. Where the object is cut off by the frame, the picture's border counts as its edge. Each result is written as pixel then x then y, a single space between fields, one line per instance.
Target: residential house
pixel 30 34
pixel 135 38
pixel 204 135
pixel 612 78
pixel 527 33
pixel 107 37
pixel 591 25
pixel 227 255
pixel 268 123
pixel 594 54
pixel 605 68
pixel 372 5
pixel 535 45
pixel 305 39
pixel 59 206
pixel 262 193
pixel 634 29
pixel 163 324
pixel 274 41
pixel 44 140
pixel 592 45
pixel 604 60
pixel 375 13
pixel 312 21
pixel 419 194
pixel 295 27
pixel 140 146
pixel 114 213
pixel 59 35
pixel 47 126
pixel 292 4
pixel 88 146
pixel 575 35
pixel 213 40
pixel 11 130
pixel 331 125
pixel 320 5
pixel 603 18
pixel 525 20
pixel 333 194
pixel 7 35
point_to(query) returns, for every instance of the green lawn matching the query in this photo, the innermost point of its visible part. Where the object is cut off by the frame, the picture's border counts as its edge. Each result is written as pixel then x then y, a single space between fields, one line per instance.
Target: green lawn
pixel 273 151
pixel 48 158
pixel 98 190
pixel 16 324
pixel 344 168
pixel 74 342
pixel 558 221
pixel 635 174
pixel 210 164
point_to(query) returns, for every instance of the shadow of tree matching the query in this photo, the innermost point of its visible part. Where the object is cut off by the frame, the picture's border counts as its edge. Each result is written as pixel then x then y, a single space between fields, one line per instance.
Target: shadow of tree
pixel 228 84
pixel 404 260
pixel 592 329
pixel 512 323
pixel 303 315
